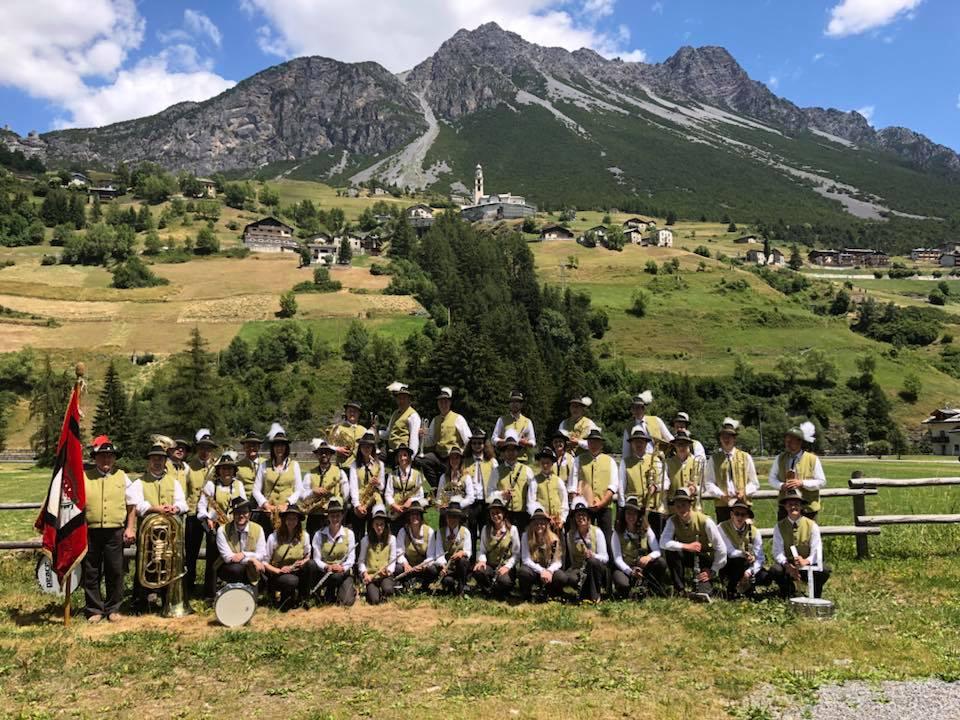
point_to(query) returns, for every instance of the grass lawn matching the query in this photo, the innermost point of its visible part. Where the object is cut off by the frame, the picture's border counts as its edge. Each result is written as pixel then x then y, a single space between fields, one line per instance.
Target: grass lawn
pixel 897 617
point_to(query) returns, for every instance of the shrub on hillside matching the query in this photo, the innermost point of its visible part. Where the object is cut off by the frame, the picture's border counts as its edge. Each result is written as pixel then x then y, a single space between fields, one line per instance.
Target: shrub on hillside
pixel 134 273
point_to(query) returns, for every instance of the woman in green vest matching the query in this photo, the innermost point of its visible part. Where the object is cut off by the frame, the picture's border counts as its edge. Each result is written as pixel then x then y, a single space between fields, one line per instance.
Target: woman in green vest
pixel 455 482
pixel 404 485
pixel 332 557
pixel 452 549
pixel 213 509
pixel 587 556
pixel 414 548
pixel 541 552
pixel 241 545
pixel 637 561
pixel 799 469
pixel 368 482
pixel 278 480
pixel 378 558
pixel 322 482
pixel 730 475
pixel 796 547
pixel 286 557
pixel 498 551
pixel 549 490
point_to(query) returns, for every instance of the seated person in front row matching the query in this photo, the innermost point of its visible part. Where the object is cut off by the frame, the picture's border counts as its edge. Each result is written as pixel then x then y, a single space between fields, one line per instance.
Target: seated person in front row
pixel 797 546
pixel 414 545
pixel 334 551
pixel 587 553
pixel 241 545
pixel 744 569
pixel 286 557
pixel 692 540
pixel 542 554
pixel 452 548
pixel 498 551
pixel 636 554
pixel 378 558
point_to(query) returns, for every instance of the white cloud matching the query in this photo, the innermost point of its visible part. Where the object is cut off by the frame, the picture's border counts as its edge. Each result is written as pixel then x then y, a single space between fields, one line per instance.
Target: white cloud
pixel 598 8
pixel 818 57
pixel 773 82
pixel 852 17
pixel 77 56
pixel 200 25
pixel 397 36
pixel 867 112
pixel 657 8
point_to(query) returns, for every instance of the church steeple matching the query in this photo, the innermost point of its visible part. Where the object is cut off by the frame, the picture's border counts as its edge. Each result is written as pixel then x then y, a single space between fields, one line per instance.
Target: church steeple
pixel 478 185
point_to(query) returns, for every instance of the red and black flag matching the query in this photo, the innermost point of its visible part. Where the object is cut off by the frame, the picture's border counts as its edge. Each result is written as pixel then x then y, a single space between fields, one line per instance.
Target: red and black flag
pixel 62 521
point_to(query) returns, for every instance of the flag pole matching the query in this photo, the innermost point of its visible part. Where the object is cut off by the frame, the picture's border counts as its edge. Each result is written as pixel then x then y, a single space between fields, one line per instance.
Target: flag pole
pixel 80 369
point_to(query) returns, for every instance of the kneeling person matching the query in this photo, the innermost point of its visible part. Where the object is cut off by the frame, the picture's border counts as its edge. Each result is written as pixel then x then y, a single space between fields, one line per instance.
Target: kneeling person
pixel 692 540
pixel 587 553
pixel 497 551
pixel 542 554
pixel 414 547
pixel 452 547
pixel 796 547
pixel 241 546
pixel 287 554
pixel 378 557
pixel 332 557
pixel 744 568
pixel 636 553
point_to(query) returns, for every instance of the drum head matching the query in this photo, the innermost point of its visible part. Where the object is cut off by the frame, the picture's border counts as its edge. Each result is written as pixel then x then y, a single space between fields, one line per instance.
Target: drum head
pixel 235 605
pixel 49 582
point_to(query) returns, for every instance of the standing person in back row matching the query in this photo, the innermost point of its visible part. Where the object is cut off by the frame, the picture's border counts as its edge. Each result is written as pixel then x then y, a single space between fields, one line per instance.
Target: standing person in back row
pixel 576 427
pixel 596 478
pixel 278 480
pixel 651 424
pixel 250 461
pixel 799 469
pixel 200 472
pixel 403 428
pixel 681 421
pixel 345 434
pixel 519 423
pixel 448 429
pixel 729 476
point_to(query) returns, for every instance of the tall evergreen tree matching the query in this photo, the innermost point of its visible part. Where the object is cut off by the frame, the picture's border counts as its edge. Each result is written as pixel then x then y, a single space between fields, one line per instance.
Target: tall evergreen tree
pixel 111 416
pixel 404 238
pixel 193 397
pixel 48 403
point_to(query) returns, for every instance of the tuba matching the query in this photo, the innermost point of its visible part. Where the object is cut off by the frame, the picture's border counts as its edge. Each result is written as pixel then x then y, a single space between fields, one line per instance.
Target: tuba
pixel 160 554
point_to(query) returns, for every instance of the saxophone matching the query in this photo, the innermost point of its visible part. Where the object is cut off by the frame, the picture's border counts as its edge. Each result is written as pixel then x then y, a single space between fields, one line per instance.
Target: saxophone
pixel 369 492
pixel 455 486
pixel 221 517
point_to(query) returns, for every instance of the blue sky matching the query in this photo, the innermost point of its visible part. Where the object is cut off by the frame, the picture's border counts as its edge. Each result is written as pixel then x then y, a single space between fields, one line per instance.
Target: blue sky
pixel 65 63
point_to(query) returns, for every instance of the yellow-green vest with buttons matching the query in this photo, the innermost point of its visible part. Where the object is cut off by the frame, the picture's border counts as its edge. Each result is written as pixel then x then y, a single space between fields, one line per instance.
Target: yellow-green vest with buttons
pixel 247 472
pixel 721 471
pixel 197 475
pixel 801 538
pixel 106 499
pixel 416 551
pixel 515 480
pixel 378 556
pixel 278 486
pixel 498 550
pixel 549 493
pixel 577 547
pixel 596 472
pixel 633 548
pixel 804 469
pixel 157 491
pixel 399 429
pixel 288 553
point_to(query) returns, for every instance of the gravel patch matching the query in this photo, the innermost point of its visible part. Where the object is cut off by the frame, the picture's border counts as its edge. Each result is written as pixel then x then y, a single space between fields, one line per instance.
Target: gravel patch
pixel 891 700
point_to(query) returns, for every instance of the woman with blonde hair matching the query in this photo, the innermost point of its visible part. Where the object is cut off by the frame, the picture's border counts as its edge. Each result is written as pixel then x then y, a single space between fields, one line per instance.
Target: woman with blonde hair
pixel 541 552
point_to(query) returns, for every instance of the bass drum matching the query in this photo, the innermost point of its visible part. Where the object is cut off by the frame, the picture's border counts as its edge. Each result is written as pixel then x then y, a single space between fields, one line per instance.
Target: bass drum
pixel 235 604
pixel 49 582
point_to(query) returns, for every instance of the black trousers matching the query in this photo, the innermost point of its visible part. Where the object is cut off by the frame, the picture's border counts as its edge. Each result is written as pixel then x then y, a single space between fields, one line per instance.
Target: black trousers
pixel 656 521
pixel 421 578
pixel 432 466
pixel 104 559
pixel 455 579
pixel 209 573
pixel 787 586
pixel 193 535
pixel 530 579
pixel 289 585
pixel 493 583
pixel 520 520
pixel 593 575
pixel 379 590
pixel 475 513
pixel 359 525
pixel 315 523
pixel 653 582
pixel 232 572
pixel 678 561
pixel 339 587
pixel 262 518
pixel 732 573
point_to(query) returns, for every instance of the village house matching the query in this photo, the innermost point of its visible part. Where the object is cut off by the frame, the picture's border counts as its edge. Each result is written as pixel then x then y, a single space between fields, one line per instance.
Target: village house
pixel 926 254
pixel 756 257
pixel 639 223
pixel 209 187
pixel 660 238
pixel 633 235
pixel 107 192
pixel 950 259
pixel 321 253
pixel 556 232
pixel 848 257
pixel 269 235
pixel 354 240
pixel 747 240
pixel 776 259
pixel 943 430
pixel 598 231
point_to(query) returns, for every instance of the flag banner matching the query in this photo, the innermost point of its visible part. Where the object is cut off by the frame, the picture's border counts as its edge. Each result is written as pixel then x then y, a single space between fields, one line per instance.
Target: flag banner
pixel 62 522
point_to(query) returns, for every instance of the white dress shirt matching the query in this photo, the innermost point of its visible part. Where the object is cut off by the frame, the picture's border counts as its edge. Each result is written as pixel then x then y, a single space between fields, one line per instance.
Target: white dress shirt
pixel 618 551
pixel 413 427
pixel 719 546
pixel 356 472
pixel 391 563
pixel 425 541
pixel 599 552
pixel 272 546
pixel 665 433
pixel 532 488
pixel 226 553
pixel 717 487
pixel 258 481
pixel 203 512
pixel 531 563
pixel 816 482
pixel 394 482
pixel 468 492
pixel 573 484
pixel 134 496
pixel 733 552
pixel 344 537
pixel 528 432
pixel 591 425
pixel 508 471
pixel 305 491
pixel 514 545
pixel 437 552
pixel 816 547
pixel 463 431
pixel 476 472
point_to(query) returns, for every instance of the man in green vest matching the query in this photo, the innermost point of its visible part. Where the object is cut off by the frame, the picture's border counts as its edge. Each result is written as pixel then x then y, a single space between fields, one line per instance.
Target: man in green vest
pixel 651 424
pixel 345 434
pixel 691 540
pixel 110 515
pixel 730 475
pixel 520 424
pixel 446 430
pixel 404 425
pixel 247 467
pixel 199 472
pixel 577 426
pixel 643 475
pixel 596 478
pixel 241 545
pixel 799 469
pixel 797 547
pixel 744 568
pixel 512 479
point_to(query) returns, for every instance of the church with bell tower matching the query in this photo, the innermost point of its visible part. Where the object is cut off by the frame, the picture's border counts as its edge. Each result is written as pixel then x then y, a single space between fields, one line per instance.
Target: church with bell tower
pixel 491 208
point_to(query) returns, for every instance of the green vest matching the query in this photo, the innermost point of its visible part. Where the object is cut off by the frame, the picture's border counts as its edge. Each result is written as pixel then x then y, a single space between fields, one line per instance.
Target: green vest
pixel 515 480
pixel 695 530
pixel 742 542
pixel 549 493
pixel 484 467
pixel 335 551
pixel 498 550
pixel 578 431
pixel 197 477
pixel 346 435
pixel 378 556
pixel 681 474
pixel 447 435
pixel 722 467
pixel 329 481
pixel 223 494
pixel 456 545
pixel 653 427
pixel 564 470
pixel 254 533
pixel 157 491
pixel 368 475
pixel 416 550
pixel 518 426
pixel 545 555
pixel 278 486
pixel 287 553
pixel 247 472
pixel 578 548
pixel 804 470
pixel 801 539
pixel 635 482
pixel 406 486
pixel 454 487
pixel 182 475
pixel 633 548
pixel 106 499
pixel 595 473
pixel 399 430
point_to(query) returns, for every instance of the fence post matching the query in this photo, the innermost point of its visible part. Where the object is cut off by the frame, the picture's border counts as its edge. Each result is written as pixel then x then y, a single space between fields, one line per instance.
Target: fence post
pixel 860 508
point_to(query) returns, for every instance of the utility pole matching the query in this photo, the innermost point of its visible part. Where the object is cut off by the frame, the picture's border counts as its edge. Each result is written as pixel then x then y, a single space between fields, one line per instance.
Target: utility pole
pixel 760 426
